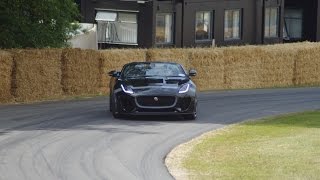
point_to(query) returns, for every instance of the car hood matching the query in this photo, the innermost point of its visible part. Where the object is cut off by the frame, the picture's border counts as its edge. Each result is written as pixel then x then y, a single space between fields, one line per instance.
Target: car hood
pixel 156 85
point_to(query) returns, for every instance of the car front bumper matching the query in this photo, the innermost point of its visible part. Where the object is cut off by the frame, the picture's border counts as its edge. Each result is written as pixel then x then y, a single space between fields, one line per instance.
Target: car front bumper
pixel 184 104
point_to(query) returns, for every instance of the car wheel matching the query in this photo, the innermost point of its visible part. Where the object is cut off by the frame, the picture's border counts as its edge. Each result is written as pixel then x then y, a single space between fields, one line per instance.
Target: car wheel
pixel 192 116
pixel 116 115
pixel 114 107
pixel 110 103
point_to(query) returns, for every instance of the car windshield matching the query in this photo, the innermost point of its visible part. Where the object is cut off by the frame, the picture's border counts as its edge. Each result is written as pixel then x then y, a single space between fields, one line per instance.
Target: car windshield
pixel 153 69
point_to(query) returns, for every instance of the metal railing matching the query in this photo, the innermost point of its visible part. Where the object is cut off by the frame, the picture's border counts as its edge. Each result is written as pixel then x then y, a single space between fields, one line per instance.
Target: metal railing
pixel 117 33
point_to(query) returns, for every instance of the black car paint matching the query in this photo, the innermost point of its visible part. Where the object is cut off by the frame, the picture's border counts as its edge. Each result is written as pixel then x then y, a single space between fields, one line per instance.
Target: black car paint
pixel 155 87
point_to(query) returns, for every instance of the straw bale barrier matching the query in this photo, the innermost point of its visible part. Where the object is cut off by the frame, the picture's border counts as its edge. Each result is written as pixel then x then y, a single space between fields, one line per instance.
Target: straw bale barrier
pixel 210 68
pixel 176 55
pixel 81 72
pixel 280 63
pixel 115 59
pixel 277 66
pixel 32 75
pixel 308 67
pixel 37 74
pixel 6 67
pixel 243 67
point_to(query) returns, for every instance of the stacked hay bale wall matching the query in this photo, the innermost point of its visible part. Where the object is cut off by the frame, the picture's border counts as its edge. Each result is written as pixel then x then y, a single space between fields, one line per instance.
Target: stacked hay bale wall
pixel 308 67
pixel 243 67
pixel 6 68
pixel 33 75
pixel 37 75
pixel 210 68
pixel 278 66
pixel 81 72
pixel 114 60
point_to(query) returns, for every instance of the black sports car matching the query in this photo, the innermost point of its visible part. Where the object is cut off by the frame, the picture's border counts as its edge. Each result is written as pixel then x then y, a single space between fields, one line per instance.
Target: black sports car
pixel 153 88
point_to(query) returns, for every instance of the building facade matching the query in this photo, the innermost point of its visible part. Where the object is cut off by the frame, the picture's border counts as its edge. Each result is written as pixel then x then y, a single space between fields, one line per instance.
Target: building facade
pixel 194 23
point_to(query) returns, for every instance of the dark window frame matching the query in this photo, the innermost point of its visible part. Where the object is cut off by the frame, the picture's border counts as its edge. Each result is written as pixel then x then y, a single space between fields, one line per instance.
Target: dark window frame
pixel 136 13
pixel 240 24
pixel 172 29
pixel 269 27
pixel 302 27
pixel 211 28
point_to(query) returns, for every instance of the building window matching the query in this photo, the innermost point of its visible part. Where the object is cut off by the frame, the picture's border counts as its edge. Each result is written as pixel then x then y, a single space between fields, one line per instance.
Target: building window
pixel 203 26
pixel 271 22
pixel 117 27
pixel 293 23
pixel 164 28
pixel 232 24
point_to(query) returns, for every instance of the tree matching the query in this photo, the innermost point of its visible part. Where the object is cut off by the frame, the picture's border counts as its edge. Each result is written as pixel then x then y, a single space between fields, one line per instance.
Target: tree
pixel 36 23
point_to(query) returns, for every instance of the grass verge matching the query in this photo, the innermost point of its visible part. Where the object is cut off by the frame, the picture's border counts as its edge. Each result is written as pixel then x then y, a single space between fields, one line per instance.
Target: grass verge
pixel 284 147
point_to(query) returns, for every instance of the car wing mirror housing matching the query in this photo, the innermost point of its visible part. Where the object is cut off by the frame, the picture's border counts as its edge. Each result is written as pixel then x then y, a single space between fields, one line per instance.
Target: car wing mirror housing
pixel 192 72
pixel 114 73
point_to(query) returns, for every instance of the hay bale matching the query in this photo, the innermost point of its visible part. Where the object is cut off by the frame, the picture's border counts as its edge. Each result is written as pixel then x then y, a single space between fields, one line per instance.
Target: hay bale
pixel 242 67
pixel 6 67
pixel 290 46
pixel 180 56
pixel 210 68
pixel 115 59
pixel 81 72
pixel 308 67
pixel 278 66
pixel 37 74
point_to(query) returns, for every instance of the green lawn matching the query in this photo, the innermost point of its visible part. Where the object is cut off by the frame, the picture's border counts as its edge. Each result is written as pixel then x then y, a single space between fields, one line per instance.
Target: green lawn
pixel 285 147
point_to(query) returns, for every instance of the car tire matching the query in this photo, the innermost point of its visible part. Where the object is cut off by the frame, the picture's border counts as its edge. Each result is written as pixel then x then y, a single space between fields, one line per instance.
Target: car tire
pixel 193 115
pixel 116 115
pixel 110 103
pixel 114 108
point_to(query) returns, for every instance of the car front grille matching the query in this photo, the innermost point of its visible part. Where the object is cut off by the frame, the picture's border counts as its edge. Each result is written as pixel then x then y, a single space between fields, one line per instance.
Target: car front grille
pixel 156 101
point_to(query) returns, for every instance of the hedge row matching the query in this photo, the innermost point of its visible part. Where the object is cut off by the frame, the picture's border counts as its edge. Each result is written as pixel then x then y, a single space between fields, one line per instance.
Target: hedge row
pixel 33 75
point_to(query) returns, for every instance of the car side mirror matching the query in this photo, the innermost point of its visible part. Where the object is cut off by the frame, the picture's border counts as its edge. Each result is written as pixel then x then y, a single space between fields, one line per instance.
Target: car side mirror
pixel 114 73
pixel 192 72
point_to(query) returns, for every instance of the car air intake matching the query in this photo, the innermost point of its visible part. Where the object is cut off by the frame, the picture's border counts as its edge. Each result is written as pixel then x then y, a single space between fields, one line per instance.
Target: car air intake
pixel 156 101
pixel 172 81
pixel 146 82
pixel 185 103
pixel 127 103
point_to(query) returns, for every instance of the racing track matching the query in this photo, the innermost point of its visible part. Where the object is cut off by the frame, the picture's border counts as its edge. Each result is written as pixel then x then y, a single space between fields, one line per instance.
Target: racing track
pixel 80 140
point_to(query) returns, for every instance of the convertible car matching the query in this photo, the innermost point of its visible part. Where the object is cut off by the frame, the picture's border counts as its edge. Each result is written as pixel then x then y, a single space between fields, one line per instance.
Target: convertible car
pixel 153 88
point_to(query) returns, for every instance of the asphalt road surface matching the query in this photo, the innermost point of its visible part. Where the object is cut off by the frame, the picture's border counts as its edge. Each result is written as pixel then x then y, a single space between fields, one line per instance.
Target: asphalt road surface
pixel 80 139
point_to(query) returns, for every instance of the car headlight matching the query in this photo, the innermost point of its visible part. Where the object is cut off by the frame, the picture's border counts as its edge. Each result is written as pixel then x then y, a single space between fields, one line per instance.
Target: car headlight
pixel 126 89
pixel 184 88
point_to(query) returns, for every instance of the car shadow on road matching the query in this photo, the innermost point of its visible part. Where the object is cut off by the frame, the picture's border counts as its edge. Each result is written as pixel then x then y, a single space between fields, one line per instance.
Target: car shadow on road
pixel 162 118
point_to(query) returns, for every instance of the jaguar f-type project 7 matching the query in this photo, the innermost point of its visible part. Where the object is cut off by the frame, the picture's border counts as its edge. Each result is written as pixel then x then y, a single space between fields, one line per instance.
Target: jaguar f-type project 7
pixel 153 88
